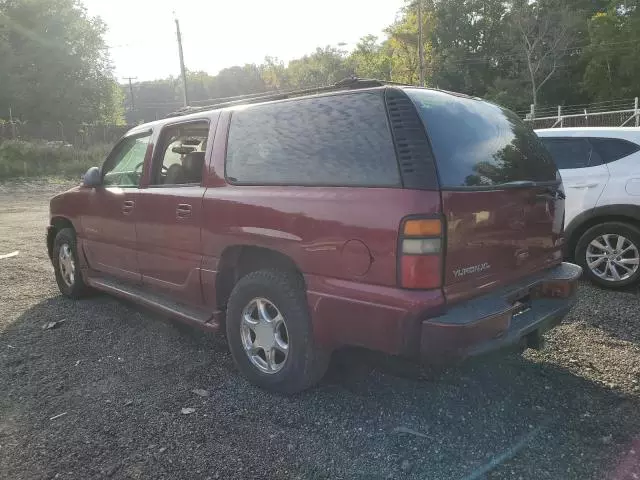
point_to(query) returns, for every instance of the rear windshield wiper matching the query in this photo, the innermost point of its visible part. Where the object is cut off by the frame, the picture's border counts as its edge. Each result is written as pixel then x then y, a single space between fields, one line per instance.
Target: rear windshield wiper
pixel 553 190
pixel 518 184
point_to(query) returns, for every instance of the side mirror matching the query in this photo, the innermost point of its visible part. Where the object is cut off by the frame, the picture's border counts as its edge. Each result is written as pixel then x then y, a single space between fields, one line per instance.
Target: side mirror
pixel 92 178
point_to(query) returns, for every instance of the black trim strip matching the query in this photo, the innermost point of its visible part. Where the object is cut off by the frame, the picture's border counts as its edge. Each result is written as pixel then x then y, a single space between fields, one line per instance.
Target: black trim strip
pixel 489 188
pixel 413 150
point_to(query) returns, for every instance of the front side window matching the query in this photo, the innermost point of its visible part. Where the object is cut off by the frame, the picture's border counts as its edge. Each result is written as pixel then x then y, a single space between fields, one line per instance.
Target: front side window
pixel 572 152
pixel 336 140
pixel 124 166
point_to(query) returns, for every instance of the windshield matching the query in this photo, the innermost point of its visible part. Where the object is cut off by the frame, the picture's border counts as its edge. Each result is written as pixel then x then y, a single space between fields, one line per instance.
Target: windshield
pixel 479 144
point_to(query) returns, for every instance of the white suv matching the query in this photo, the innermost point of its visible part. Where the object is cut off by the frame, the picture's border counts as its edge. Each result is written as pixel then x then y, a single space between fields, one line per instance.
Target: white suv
pixel 600 169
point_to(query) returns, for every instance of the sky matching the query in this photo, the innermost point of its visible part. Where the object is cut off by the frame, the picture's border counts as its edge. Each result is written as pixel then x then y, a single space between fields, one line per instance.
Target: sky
pixel 218 34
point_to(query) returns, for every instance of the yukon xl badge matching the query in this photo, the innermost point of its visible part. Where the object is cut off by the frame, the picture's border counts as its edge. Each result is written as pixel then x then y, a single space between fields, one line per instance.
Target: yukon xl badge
pixel 461 272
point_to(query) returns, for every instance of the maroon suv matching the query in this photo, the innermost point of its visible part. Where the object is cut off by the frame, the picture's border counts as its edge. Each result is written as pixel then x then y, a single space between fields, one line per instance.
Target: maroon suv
pixel 411 221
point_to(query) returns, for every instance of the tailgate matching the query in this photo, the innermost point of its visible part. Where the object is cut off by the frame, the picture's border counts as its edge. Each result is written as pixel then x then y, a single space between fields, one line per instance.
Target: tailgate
pixel 501 193
pixel 496 237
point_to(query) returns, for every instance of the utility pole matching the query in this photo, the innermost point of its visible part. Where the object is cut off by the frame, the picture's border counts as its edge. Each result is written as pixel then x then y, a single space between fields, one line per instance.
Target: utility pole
pixel 133 102
pixel 13 125
pixel 420 43
pixel 183 71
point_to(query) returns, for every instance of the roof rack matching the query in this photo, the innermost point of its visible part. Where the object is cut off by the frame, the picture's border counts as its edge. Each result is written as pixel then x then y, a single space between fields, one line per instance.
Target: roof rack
pixel 350 83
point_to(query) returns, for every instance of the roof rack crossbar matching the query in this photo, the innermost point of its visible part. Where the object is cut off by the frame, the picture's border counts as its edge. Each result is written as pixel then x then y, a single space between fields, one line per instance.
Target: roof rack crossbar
pixel 345 84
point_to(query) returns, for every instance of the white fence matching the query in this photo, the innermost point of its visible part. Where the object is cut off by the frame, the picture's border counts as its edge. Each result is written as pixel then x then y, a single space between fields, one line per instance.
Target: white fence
pixel 602 117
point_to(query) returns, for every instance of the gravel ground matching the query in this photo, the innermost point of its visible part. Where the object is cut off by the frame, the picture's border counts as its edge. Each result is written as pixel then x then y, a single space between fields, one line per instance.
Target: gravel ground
pixel 101 394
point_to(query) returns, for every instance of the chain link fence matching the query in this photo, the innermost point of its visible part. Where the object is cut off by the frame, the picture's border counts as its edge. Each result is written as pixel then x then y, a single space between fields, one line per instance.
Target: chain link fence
pixel 595 115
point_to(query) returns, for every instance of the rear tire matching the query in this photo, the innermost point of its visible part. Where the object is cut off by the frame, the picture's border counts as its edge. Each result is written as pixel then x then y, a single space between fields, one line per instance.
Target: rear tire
pixel 615 265
pixel 281 297
pixel 67 266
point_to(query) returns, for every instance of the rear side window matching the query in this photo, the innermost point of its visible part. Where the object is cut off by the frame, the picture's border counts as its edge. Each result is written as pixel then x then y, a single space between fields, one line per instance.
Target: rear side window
pixel 572 152
pixel 612 149
pixel 479 144
pixel 338 140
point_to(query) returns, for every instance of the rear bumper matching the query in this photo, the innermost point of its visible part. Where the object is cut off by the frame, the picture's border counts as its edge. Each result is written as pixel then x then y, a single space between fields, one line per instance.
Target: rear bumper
pixel 503 318
pixel 420 323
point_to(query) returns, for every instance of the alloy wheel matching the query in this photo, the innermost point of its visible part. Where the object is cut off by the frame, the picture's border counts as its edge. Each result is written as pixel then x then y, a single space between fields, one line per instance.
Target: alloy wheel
pixel 67 264
pixel 613 257
pixel 264 335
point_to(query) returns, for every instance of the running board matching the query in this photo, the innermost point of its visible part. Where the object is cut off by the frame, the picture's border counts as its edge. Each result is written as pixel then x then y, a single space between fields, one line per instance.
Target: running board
pixel 158 303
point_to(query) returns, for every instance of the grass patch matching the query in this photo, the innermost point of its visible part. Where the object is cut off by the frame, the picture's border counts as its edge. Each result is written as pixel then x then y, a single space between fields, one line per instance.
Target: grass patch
pixel 20 159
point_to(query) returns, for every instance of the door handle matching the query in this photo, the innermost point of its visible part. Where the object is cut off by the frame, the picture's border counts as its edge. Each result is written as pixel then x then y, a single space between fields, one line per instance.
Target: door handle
pixel 127 206
pixel 183 210
pixel 582 185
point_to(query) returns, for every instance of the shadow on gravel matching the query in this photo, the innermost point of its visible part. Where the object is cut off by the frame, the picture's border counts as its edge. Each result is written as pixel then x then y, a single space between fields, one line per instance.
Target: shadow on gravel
pixel 101 395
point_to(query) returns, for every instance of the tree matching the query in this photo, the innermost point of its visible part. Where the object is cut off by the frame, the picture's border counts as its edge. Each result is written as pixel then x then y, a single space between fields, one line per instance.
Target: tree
pixel 463 43
pixel 111 108
pixel 237 81
pixel 469 44
pixel 54 64
pixel 370 59
pixel 544 31
pixel 323 67
pixel 613 55
pixel 403 45
pixel 515 52
pixel 274 74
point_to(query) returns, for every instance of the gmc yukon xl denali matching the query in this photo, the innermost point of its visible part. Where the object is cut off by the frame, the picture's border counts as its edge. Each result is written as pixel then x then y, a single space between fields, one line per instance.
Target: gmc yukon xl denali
pixel 411 221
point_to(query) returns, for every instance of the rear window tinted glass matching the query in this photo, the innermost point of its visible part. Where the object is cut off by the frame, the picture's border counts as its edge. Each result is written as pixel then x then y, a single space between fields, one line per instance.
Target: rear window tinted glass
pixel 477 143
pixel 572 152
pixel 612 149
pixel 339 140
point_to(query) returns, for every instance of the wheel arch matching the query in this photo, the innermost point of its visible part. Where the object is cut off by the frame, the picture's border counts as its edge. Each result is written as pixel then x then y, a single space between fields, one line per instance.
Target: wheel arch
pixel 237 261
pixel 56 224
pixel 623 213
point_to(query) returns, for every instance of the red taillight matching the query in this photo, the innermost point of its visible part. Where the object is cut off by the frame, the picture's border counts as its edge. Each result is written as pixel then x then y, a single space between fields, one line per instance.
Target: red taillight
pixel 420 254
pixel 421 271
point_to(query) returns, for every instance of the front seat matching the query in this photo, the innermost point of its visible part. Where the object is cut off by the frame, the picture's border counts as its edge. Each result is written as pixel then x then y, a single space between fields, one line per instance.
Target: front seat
pixel 193 163
pixel 175 175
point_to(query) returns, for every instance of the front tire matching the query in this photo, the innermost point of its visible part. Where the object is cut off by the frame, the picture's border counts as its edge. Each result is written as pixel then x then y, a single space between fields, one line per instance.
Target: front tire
pixel 609 254
pixel 66 265
pixel 270 334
